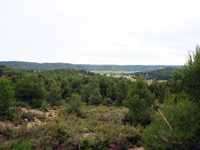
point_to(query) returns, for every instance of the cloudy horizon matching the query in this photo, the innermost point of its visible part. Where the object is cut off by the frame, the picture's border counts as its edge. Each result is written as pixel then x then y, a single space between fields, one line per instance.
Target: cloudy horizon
pixel 99 32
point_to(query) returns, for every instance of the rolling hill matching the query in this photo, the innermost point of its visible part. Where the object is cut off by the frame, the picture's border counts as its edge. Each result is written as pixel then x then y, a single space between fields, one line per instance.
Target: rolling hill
pixel 51 66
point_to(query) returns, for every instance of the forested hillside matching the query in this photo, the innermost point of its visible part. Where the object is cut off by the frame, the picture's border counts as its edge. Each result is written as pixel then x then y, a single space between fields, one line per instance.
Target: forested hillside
pixel 76 109
pixel 50 66
pixel 160 74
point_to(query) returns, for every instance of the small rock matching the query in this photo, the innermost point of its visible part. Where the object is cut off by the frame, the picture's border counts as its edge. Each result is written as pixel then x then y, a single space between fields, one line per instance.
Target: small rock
pixel 112 147
pixel 86 130
pixel 88 135
pixel 26 119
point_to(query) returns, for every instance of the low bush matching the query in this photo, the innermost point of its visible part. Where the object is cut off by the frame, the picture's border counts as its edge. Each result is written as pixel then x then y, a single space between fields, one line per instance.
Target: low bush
pixel 17 118
pixel 74 104
pixel 41 117
pixel 24 145
pixel 20 104
pixel 28 116
pixel 101 128
pixel 183 116
pixel 108 102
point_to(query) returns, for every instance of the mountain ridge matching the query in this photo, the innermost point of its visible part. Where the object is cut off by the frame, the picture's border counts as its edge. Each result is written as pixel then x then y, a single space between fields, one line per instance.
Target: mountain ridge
pixel 90 67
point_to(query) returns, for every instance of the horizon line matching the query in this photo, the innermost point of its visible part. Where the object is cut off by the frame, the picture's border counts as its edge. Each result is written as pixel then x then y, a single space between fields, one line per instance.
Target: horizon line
pixel 92 64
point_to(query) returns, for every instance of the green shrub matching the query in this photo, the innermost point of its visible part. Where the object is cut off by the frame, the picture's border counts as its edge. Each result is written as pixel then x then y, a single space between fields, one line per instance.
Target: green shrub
pixel 41 116
pixel 108 102
pixel 95 99
pixel 140 113
pixel 74 104
pixel 17 118
pixel 139 101
pixel 8 145
pixel 54 93
pixel 31 90
pixel 54 134
pixel 36 103
pixel 29 116
pixel 183 116
pixel 20 104
pixel 190 75
pixel 60 102
pixel 44 106
pixel 6 97
pixel 98 142
pixel 24 145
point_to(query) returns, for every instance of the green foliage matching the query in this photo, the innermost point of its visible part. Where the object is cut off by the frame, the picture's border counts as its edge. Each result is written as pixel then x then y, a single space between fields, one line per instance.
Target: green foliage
pixel 17 118
pixel 95 99
pixel 101 128
pixel 190 75
pixel 41 117
pixel 20 104
pixel 59 74
pixel 10 72
pixel 31 90
pixel 159 74
pixel 65 88
pixel 183 116
pixel 91 94
pixel 6 96
pixel 24 145
pixel 111 90
pixel 103 84
pixel 54 92
pixel 28 116
pixel 54 134
pixel 139 111
pixel 122 90
pixel 18 145
pixel 172 98
pixel 160 90
pixel 76 85
pixel 108 102
pixel 75 104
pixel 139 102
pixel 175 85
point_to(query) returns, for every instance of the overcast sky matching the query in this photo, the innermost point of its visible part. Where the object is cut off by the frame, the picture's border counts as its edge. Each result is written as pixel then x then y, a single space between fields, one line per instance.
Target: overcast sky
pixel 124 32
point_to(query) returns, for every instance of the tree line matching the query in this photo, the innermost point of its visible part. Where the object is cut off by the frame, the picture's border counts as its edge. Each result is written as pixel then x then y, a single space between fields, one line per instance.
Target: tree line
pixel 160 74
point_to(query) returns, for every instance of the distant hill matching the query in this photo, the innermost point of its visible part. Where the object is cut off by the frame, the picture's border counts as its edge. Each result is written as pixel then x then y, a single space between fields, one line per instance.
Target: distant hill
pixel 51 66
pixel 160 74
pixel 56 73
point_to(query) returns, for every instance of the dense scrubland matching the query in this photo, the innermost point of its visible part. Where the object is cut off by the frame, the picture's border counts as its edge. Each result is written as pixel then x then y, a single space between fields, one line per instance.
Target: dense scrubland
pixel 77 109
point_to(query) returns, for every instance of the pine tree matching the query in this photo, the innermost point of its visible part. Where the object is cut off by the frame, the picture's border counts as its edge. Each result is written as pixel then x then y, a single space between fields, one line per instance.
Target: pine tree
pixel 6 96
pixel 139 102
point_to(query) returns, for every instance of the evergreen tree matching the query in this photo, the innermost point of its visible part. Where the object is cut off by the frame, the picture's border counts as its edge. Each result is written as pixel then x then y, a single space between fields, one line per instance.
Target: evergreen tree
pixel 54 92
pixel 183 117
pixel 6 96
pixel 159 89
pixel 76 85
pixel 111 90
pixel 122 90
pixel 31 90
pixel 91 94
pixel 74 104
pixel 103 84
pixel 65 88
pixel 139 102
pixel 190 75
